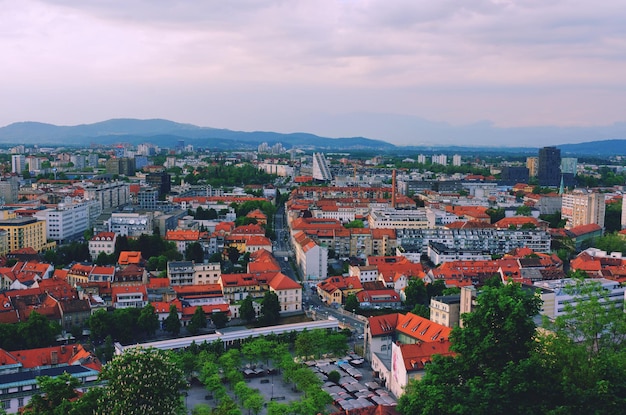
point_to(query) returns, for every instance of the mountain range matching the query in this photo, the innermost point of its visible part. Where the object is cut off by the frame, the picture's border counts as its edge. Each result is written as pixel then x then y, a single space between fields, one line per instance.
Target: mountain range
pixel 165 133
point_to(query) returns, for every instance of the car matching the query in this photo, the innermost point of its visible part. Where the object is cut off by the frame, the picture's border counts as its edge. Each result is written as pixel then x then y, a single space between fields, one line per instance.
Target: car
pixel 360 337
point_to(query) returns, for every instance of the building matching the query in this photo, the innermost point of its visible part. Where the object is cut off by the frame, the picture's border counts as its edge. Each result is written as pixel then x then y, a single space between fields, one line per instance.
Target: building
pixel 180 272
pixel 9 188
pixel 311 258
pixel 556 295
pixel 398 219
pixel 456 160
pixel 161 181
pixel 19 370
pixel 130 224
pixel 532 164
pixel 18 163
pixel 446 310
pixel 320 168
pixel 511 175
pixel 549 166
pixel 123 165
pixel 25 232
pixel 206 273
pixel 103 242
pixel 68 221
pixel 109 195
pixel 583 208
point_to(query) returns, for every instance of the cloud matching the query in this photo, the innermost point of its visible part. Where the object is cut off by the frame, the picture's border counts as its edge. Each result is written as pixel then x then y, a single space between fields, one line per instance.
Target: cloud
pixel 281 62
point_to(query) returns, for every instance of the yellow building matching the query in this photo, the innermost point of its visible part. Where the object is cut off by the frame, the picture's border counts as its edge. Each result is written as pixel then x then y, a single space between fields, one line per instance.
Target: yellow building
pixel 24 233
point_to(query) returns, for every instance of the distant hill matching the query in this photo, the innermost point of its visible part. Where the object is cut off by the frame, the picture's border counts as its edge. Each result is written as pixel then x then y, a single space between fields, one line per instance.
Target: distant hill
pixel 167 133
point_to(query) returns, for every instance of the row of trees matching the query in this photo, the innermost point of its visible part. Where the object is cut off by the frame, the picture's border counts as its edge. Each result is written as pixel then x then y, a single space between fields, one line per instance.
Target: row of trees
pixel 35 332
pixel 270 310
pixel 504 365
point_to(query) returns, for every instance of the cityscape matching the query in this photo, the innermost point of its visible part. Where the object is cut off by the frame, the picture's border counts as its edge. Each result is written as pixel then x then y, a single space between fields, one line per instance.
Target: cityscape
pixel 312 207
pixel 192 246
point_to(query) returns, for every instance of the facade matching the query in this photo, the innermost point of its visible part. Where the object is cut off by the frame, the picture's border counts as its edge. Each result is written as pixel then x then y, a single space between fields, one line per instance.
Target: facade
pixel 549 166
pixel 320 168
pixel 67 221
pixel 532 164
pixel 398 219
pixel 180 272
pixel 206 273
pixel 556 296
pixel 102 242
pixel 130 224
pixel 161 181
pixel 493 241
pixel 18 163
pixel 583 208
pixel 439 253
pixel 311 258
pixel 445 310
pixel 109 195
pixel 25 232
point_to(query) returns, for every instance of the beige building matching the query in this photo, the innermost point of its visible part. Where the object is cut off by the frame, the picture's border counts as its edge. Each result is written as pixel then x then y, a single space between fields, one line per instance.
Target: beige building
pixel 532 164
pixel 583 208
pixel 25 232
pixel 446 310
pixel 209 273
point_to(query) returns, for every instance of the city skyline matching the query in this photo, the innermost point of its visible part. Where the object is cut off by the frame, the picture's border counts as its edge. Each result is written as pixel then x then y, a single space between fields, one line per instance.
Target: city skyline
pixel 409 73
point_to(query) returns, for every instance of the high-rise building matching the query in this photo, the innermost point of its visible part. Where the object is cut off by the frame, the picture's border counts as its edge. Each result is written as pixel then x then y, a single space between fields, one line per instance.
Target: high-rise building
pixel 320 168
pixel 161 181
pixel 532 164
pixel 18 163
pixel 456 160
pixel 583 208
pixel 549 171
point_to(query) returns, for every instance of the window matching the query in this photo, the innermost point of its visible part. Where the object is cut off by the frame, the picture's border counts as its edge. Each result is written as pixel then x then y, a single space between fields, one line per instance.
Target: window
pixel 6 404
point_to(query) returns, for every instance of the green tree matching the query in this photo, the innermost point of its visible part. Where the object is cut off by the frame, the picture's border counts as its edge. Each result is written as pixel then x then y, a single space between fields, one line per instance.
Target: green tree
pixel 493 362
pixel 523 211
pixel 357 223
pixel 142 381
pixel 38 331
pixel 57 393
pixel 334 376
pixel 415 292
pixel 352 303
pixel 148 320
pixel 172 321
pixel 270 309
pixel 197 322
pixel 219 319
pixel 246 310
pixel 194 252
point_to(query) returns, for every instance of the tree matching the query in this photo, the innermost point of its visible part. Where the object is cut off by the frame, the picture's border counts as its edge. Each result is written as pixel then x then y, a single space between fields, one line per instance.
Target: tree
pixel 352 303
pixel 194 252
pixel 523 211
pixel 357 223
pixel 172 321
pixel 57 392
pixel 38 331
pixel 142 381
pixel 270 309
pixel 415 292
pixel 334 376
pixel 197 322
pixel 493 365
pixel 219 319
pixel 148 320
pixel 246 310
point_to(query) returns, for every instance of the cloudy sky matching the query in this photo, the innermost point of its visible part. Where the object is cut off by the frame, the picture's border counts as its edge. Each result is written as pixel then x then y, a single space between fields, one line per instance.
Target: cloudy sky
pixel 390 69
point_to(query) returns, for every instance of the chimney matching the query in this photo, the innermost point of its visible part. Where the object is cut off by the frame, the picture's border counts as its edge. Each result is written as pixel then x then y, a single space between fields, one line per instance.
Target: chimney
pixel 393 189
pixel 54 358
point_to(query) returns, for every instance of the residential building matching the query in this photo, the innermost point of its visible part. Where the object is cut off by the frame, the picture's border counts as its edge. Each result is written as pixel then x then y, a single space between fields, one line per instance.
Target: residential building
pixel 582 207
pixel 25 232
pixel 68 220
pixel 102 242
pixel 320 168
pixel 532 163
pixel 19 370
pixel 445 310
pixel 161 181
pixel 311 258
pixel 131 224
pixel 18 163
pixel 129 296
pixel 556 295
pixel 180 272
pixel 206 273
pixel 109 195
pixel 398 219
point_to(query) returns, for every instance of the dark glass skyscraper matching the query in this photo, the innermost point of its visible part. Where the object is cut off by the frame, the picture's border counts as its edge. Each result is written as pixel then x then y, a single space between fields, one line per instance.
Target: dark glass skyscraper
pixel 549 171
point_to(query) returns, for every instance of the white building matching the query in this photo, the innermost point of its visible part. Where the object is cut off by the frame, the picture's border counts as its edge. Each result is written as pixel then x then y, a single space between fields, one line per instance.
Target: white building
pixel 320 168
pixel 398 219
pixel 456 160
pixel 18 163
pixel 69 220
pixel 109 195
pixel 312 259
pixel 102 242
pixel 367 273
pixel 129 224
pixel 556 295
pixel 439 159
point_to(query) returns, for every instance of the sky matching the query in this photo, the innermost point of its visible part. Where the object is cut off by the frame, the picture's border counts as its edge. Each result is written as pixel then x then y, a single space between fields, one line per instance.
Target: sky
pixel 404 71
